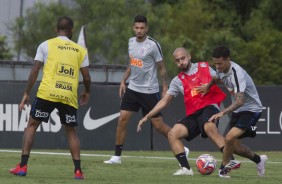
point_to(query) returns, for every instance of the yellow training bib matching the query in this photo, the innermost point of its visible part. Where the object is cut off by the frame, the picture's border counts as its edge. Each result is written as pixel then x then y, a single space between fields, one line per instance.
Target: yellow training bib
pixel 61 72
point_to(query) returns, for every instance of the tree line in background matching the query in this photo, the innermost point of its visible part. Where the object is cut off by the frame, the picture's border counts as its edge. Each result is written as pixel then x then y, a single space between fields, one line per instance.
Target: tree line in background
pixel 252 30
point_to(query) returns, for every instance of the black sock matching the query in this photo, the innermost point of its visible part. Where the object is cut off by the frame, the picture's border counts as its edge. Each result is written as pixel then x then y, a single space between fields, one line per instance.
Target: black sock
pixel 231 157
pixel 182 159
pixel 118 150
pixel 24 160
pixel 221 166
pixel 256 159
pixel 76 164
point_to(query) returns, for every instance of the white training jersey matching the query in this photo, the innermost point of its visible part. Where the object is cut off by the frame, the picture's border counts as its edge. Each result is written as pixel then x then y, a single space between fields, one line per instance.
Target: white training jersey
pixel 143 65
pixel 237 80
pixel 42 53
pixel 176 86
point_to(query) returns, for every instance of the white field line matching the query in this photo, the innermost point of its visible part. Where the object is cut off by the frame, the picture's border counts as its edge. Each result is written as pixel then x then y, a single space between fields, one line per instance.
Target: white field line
pixel 100 155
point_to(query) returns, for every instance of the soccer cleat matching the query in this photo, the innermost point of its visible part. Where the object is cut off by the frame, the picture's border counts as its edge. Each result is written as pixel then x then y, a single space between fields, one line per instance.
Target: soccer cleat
pixel 234 164
pixel 184 171
pixel 18 170
pixel 114 160
pixel 223 173
pixel 261 165
pixel 78 175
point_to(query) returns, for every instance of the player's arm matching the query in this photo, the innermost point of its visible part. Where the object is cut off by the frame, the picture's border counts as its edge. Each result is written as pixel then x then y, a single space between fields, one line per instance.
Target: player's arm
pixel 84 96
pixel 204 88
pixel 159 106
pixel 33 75
pixel 238 102
pixel 30 82
pixel 164 77
pixel 122 86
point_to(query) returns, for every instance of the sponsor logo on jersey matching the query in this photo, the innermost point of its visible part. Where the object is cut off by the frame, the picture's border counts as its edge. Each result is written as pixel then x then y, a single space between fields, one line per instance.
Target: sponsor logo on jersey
pixel 65 70
pixel 68 48
pixel 57 96
pixel 63 85
pixel 136 62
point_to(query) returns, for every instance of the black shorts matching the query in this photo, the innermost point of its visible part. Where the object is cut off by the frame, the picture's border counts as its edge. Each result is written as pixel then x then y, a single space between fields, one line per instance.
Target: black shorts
pixel 195 122
pixel 133 101
pixel 41 110
pixel 245 120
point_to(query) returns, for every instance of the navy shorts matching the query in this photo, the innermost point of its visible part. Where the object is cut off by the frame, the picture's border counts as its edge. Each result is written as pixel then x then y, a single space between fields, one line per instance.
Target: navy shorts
pixel 41 110
pixel 195 122
pixel 133 101
pixel 245 120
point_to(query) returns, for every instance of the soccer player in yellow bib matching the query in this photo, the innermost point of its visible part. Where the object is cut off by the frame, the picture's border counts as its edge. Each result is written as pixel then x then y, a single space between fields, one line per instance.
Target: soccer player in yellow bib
pixel 61 59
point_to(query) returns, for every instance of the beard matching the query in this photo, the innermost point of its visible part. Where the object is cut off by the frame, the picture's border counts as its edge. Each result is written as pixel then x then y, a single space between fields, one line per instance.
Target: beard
pixel 185 68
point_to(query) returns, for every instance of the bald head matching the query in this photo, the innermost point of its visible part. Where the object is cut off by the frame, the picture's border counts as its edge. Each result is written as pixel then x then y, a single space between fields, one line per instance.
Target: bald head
pixel 180 50
pixel 182 58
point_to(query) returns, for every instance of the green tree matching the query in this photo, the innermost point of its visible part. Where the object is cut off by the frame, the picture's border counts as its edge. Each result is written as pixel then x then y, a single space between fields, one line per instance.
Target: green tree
pixel 36 26
pixel 252 30
pixel 108 27
pixel 4 50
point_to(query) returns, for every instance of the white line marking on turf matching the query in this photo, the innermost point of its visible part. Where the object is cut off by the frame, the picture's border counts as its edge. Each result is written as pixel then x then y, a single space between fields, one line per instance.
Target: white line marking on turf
pixel 100 155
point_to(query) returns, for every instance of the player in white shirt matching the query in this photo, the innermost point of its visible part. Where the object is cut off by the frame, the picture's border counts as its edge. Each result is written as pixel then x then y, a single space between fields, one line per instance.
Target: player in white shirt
pixel 146 57
pixel 246 110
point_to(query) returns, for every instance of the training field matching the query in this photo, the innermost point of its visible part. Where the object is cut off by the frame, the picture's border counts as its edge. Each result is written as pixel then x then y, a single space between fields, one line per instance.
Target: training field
pixel 138 167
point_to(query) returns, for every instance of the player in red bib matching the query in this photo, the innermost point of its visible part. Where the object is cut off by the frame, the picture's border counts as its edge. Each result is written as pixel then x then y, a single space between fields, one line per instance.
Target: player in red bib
pixel 199 107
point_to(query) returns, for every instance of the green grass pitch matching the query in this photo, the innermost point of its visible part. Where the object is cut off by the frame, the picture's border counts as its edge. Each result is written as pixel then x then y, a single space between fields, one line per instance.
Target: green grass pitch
pixel 138 167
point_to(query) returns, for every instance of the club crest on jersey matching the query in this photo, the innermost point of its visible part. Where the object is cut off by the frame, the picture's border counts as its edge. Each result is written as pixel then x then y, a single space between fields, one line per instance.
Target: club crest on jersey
pixel 142 51
pixel 182 76
pixel 203 64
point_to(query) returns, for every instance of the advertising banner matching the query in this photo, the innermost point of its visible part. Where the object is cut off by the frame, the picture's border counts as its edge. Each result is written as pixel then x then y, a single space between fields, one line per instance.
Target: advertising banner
pixel 98 121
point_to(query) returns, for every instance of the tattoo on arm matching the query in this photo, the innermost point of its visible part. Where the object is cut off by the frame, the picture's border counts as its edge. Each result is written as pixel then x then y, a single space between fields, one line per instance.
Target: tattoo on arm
pixel 239 101
pixel 163 73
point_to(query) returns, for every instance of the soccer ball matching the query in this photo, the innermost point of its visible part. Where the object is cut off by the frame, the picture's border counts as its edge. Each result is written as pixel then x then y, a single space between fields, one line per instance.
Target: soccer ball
pixel 206 164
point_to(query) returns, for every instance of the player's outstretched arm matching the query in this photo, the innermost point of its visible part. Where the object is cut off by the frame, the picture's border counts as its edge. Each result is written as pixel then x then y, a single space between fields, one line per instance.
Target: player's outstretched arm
pixel 159 106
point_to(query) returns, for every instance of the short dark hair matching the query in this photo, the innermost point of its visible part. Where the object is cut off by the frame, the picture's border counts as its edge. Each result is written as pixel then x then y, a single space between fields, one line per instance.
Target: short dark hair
pixel 140 18
pixel 65 23
pixel 221 51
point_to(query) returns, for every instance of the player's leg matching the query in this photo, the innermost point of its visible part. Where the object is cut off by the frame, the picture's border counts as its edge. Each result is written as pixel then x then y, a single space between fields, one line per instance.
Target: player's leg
pixel 28 140
pixel 246 123
pixel 129 105
pixel 147 103
pixel 122 127
pixel 175 135
pixel 160 126
pixel 68 117
pixel 74 146
pixel 230 140
pixel 213 133
pixel 120 136
pixel 209 129
pixel 40 111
